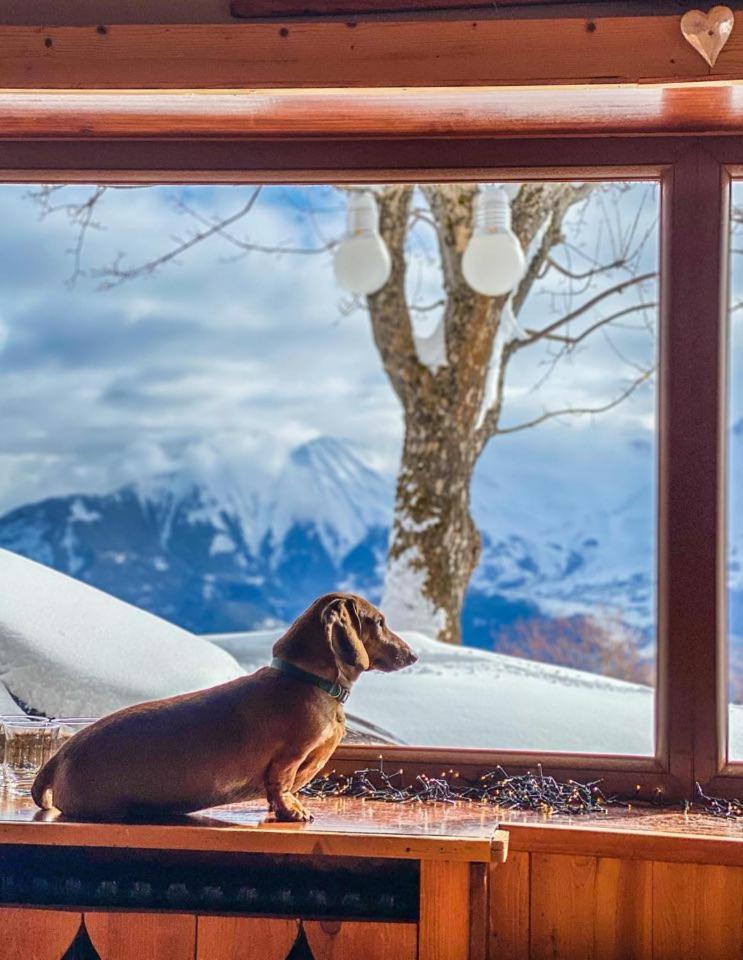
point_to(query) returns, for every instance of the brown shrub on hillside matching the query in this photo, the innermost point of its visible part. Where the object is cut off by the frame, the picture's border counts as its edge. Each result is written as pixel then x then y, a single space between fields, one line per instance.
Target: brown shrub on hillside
pixel 607 647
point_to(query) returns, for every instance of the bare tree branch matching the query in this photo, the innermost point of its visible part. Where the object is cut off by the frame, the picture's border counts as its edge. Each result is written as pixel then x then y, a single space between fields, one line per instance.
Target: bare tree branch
pixel 542 334
pixel 117 275
pixel 571 342
pixel 579 411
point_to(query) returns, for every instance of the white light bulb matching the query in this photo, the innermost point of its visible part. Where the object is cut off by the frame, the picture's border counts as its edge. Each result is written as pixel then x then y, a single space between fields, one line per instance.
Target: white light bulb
pixel 362 261
pixel 493 262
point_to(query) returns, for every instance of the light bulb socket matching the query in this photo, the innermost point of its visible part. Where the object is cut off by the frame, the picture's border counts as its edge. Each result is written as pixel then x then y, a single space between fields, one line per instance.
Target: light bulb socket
pixel 492 211
pixel 362 214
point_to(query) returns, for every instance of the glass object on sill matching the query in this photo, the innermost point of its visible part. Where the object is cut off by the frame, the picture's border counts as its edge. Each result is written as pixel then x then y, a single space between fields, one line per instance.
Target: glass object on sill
pixel 28 745
pixel 11 718
pixel 69 726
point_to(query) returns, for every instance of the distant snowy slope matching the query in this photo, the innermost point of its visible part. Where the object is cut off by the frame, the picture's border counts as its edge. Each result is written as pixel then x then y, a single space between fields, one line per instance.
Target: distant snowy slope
pixel 460 697
pixel 67 649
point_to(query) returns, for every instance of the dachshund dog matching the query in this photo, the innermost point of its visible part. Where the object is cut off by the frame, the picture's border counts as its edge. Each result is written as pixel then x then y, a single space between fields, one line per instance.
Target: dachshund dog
pixel 264 734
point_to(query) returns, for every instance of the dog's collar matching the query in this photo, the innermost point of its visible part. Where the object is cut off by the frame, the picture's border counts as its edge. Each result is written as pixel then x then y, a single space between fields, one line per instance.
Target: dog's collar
pixel 335 690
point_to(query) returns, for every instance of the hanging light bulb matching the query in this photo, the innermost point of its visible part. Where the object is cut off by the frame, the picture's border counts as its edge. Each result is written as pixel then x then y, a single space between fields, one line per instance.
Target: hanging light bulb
pixel 362 261
pixel 493 262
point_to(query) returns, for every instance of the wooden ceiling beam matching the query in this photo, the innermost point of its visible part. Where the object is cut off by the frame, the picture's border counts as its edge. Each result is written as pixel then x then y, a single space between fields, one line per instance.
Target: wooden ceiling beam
pixel 380 53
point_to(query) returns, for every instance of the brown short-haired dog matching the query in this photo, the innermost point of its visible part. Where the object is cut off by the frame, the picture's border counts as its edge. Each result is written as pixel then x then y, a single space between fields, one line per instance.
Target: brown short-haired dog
pixel 269 732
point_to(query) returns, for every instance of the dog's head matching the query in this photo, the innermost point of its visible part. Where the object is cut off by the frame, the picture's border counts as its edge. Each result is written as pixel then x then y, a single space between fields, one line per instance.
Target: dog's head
pixel 343 635
pixel 359 637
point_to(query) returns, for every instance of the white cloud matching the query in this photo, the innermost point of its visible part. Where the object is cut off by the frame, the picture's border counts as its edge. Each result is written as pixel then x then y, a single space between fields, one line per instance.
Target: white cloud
pixel 249 355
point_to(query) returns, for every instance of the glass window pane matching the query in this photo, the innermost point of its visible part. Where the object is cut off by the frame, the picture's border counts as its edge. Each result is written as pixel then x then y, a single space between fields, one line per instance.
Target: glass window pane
pixel 735 488
pixel 223 402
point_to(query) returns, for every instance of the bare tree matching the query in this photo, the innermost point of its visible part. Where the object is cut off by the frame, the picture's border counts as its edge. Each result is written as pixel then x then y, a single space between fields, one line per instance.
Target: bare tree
pixel 452 406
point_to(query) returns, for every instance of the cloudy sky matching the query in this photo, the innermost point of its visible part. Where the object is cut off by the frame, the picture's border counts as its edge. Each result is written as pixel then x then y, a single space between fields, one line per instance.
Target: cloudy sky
pixel 222 354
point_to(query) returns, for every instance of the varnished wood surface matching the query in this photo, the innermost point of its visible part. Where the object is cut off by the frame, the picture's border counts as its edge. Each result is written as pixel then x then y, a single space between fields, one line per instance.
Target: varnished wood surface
pixel 437 112
pixel 465 832
pixel 642 833
pixel 141 936
pixel 341 828
pixel 547 906
pixel 444 923
pixel 401 52
pixel 245 938
pixel 36 934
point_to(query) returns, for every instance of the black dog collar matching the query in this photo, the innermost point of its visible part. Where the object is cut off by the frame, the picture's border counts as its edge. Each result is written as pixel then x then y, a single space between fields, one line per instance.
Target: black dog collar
pixel 335 690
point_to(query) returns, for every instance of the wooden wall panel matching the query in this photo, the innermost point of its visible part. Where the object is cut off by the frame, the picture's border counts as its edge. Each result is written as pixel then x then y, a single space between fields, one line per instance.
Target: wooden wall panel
pixel 697 912
pixel 564 907
pixel 36 934
pixel 623 902
pixel 444 926
pixel 352 940
pixel 509 908
pixel 584 907
pixel 142 936
pixel 562 901
pixel 244 938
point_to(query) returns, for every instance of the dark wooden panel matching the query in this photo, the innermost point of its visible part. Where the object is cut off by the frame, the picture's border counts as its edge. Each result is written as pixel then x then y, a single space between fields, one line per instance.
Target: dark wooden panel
pixel 252 9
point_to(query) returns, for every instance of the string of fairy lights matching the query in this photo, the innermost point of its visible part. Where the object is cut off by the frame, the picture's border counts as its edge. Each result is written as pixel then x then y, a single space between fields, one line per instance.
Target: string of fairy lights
pixel 531 791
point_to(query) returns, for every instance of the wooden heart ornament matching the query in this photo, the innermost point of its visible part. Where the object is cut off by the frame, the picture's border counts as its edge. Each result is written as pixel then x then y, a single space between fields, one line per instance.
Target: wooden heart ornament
pixel 708 32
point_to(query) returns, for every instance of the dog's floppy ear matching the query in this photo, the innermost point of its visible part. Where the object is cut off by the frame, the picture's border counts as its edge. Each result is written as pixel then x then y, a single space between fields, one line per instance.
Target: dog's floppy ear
pixel 342 625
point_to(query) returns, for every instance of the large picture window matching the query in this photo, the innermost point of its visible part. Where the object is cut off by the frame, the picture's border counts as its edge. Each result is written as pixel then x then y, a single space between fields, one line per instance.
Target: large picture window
pixel 251 421
pixel 527 481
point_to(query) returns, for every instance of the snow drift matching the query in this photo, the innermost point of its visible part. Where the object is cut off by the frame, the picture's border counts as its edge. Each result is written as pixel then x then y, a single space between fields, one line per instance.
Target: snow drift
pixel 69 649
pixel 461 697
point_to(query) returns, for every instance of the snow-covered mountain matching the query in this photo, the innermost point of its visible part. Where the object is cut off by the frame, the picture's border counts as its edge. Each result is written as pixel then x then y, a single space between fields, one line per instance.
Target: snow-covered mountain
pixel 214 549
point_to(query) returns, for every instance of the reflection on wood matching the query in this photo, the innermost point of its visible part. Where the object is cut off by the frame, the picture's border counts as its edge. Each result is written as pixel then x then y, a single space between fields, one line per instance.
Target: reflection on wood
pixel 352 828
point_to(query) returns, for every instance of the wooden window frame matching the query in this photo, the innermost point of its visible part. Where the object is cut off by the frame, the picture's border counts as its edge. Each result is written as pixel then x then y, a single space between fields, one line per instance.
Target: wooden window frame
pixel 694 173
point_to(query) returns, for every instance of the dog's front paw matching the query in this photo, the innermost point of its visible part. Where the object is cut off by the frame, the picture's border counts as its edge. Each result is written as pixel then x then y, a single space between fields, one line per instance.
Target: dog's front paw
pixel 292 811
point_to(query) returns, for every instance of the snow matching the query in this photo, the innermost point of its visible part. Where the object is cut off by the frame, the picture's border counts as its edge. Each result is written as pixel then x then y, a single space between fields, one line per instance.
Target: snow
pixel 404 601
pixel 68 649
pixel 460 697
pixel 79 513
pixel 431 349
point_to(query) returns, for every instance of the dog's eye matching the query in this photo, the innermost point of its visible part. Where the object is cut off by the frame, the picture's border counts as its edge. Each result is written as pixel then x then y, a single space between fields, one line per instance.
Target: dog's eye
pixel 379 622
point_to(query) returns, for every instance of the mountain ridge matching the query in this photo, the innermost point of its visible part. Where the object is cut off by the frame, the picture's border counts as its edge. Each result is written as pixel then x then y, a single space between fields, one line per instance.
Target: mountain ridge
pixel 215 552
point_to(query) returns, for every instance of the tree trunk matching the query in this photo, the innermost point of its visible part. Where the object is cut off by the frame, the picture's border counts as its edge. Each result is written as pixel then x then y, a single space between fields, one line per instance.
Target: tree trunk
pixel 434 546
